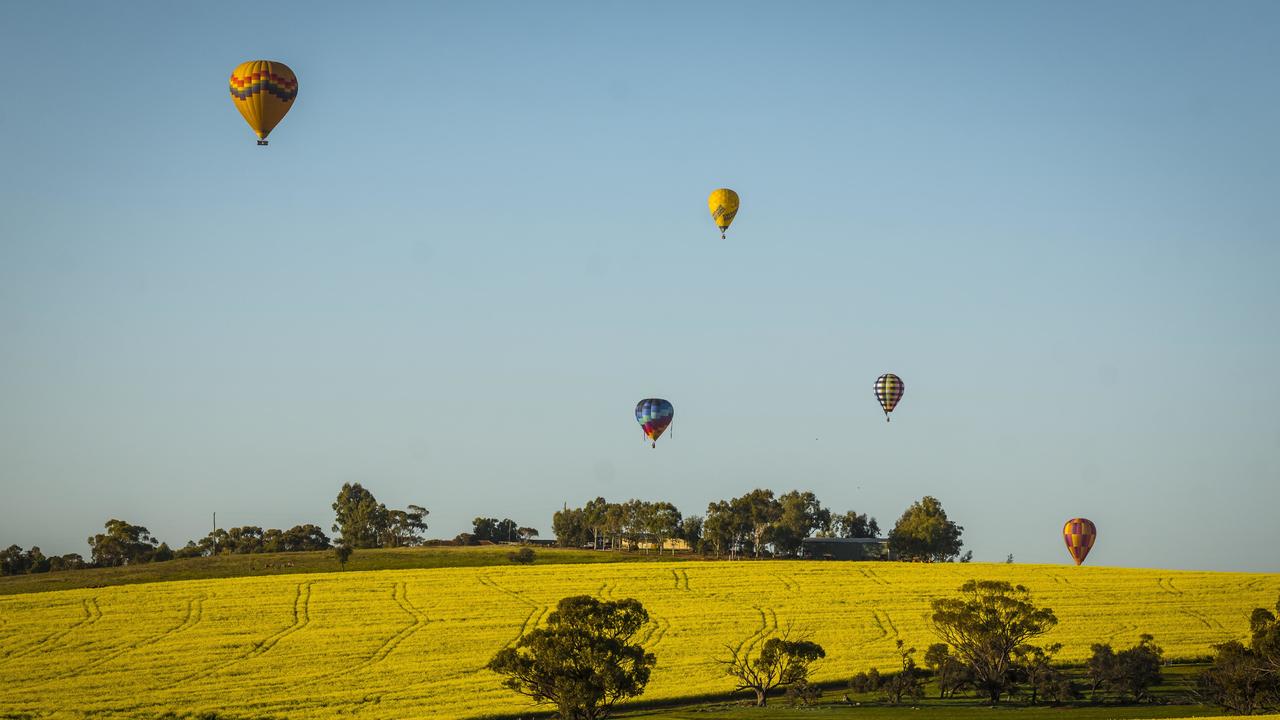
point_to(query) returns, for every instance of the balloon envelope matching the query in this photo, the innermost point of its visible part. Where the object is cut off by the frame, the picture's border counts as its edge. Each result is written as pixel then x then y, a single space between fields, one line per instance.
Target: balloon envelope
pixel 263 91
pixel 1079 535
pixel 654 416
pixel 723 204
pixel 889 389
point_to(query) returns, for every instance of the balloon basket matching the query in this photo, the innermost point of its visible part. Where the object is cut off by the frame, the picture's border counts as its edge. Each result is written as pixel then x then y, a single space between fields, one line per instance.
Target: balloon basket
pixel 262 142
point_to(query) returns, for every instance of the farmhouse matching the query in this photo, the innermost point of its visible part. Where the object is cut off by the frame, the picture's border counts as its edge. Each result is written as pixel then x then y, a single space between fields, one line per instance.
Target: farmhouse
pixel 820 548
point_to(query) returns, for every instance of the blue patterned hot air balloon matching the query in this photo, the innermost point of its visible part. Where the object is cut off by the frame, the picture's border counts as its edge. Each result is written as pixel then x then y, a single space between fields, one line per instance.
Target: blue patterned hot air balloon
pixel 654 415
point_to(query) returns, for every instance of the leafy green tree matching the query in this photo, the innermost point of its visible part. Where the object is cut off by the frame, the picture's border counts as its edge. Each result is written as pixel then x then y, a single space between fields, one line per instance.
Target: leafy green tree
pixel 342 552
pixel 1101 668
pixel 691 532
pixel 523 556
pixel 924 533
pixel 570 528
pixel 985 625
pixel 907 683
pixel 70 561
pixel 15 561
pixel 594 515
pixel 725 527
pixel 779 662
pixel 950 672
pixel 1139 668
pixel 358 516
pixel 800 516
pixel 851 524
pixel 122 544
pixel 584 661
pixel 483 528
pixel 526 533
pixel 663 523
pixel 493 529
pixel 1245 679
pixel 1035 666
pixel 763 510
pixel 403 528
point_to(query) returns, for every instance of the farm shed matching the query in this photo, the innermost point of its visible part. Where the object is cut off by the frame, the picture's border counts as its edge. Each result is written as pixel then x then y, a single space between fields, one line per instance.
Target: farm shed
pixel 819 548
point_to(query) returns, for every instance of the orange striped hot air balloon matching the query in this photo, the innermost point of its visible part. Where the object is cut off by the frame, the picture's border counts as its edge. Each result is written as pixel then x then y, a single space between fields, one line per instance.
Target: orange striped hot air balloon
pixel 263 91
pixel 1079 535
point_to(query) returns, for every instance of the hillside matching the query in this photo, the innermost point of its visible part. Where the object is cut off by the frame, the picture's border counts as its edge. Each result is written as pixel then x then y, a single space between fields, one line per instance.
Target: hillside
pixel 295 563
pixel 412 643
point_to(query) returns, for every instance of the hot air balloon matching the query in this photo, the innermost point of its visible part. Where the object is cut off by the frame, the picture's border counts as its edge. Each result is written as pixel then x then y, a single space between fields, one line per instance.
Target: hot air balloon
pixel 724 206
pixel 654 416
pixel 889 390
pixel 263 91
pixel 1079 535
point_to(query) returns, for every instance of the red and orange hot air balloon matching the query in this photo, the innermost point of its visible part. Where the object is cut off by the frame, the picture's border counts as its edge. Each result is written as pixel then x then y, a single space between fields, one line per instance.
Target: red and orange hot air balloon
pixel 1079 535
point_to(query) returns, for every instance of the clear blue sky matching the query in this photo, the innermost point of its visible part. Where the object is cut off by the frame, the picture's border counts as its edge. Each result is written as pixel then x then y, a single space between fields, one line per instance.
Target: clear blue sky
pixel 481 236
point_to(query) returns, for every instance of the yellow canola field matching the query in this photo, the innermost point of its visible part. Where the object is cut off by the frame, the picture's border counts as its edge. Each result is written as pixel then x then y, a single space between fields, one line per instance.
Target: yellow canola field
pixel 413 643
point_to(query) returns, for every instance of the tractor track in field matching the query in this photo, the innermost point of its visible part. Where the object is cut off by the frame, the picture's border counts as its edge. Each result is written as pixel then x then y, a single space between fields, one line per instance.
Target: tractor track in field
pixel 399 595
pixel 681 580
pixel 1166 584
pixel 536 614
pixel 873 577
pixel 1209 623
pixel 301 618
pixel 768 626
pixel 1126 629
pixel 788 583
pixel 92 614
pixel 654 631
pixel 684 579
pixel 193 615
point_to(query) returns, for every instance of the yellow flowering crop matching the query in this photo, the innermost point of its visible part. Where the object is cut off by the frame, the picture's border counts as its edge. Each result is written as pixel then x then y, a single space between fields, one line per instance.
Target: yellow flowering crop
pixel 413 643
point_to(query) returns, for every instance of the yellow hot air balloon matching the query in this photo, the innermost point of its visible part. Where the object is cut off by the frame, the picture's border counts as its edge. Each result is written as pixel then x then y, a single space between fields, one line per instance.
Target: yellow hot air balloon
pixel 724 206
pixel 263 91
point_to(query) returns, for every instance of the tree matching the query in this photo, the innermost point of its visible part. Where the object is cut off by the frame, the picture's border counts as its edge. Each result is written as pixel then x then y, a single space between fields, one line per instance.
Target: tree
pixel 342 551
pixel 950 672
pixel 800 516
pixel 484 529
pixel 594 515
pixel 122 544
pixel 493 529
pixel 403 528
pixel 163 553
pixel 780 662
pixel 851 524
pixel 1035 665
pixel 691 532
pixel 358 520
pixel 924 533
pixel 570 528
pixel 527 533
pixel 664 523
pixel 1139 668
pixel 584 661
pixel 763 511
pixel 984 626
pixel 906 683
pixel 1245 679
pixel 723 528
pixel 523 556
pixel 1100 668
